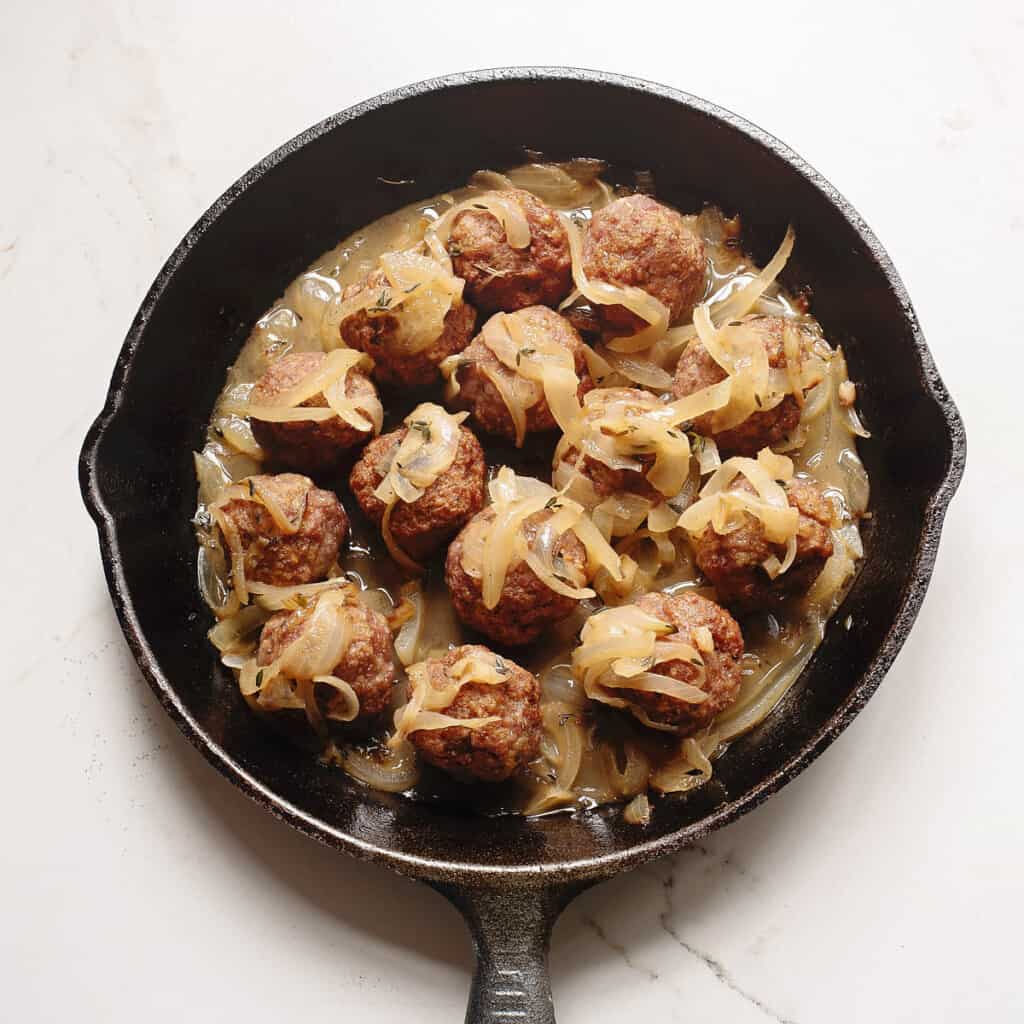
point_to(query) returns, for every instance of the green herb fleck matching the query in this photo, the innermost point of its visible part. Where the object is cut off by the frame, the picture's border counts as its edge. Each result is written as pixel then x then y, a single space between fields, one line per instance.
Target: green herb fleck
pixel 259 678
pixel 412 288
pixel 524 352
pixel 553 503
pixel 501 666
pixel 757 398
pixel 252 490
pixel 383 302
pixel 422 426
pixel 696 661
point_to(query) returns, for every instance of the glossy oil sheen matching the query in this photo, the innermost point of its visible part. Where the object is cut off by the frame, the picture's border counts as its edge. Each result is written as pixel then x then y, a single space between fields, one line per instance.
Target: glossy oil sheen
pixel 138 482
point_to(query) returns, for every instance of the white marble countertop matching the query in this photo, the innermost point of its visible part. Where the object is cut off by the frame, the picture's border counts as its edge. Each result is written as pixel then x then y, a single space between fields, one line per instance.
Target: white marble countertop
pixel 882 885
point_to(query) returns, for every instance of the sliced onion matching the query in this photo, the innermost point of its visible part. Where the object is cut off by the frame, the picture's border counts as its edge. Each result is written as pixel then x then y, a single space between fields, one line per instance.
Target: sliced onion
pixel 431 721
pixel 501 544
pixel 638 811
pixel 640 371
pixel 229 634
pixel 740 302
pixel 408 638
pixel 263 488
pixel 632 780
pixel 397 772
pixel 344 705
pixel 515 410
pixel 708 399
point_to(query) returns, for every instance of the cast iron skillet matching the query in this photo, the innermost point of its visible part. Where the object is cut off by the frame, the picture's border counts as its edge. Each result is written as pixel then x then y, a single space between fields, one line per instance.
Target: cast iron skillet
pixel 510 877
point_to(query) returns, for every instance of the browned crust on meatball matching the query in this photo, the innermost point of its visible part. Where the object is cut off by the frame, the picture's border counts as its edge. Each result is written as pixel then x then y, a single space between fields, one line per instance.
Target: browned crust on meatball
pixel 500 278
pixel 638 242
pixel 309 446
pixel 732 561
pixel 368 664
pixel 374 333
pixel 527 606
pixel 696 369
pixel 283 559
pixel 686 612
pixel 499 750
pixel 446 505
pixel 481 398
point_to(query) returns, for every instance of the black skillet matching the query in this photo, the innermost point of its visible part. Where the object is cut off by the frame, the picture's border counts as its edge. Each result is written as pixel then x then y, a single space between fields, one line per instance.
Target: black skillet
pixel 509 876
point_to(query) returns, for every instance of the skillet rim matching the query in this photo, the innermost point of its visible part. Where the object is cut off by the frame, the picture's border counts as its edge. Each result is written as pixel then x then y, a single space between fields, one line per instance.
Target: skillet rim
pixel 603 865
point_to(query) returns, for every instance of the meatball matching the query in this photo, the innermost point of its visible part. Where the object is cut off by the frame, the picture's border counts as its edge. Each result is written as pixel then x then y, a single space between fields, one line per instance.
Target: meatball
pixel 687 612
pixel 310 445
pixel 696 370
pixel 445 506
pixel 732 561
pixel 498 750
pixel 638 242
pixel 604 479
pixel 367 664
pixel 377 333
pixel 478 393
pixel 500 278
pixel 527 606
pixel 288 559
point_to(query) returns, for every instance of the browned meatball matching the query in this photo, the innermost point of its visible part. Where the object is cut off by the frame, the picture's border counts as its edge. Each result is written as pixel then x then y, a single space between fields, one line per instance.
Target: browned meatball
pixel 368 664
pixel 527 606
pixel 499 277
pixel 288 559
pixel 687 612
pixel 311 446
pixel 498 750
pixel 376 332
pixel 479 395
pixel 696 370
pixel 445 506
pixel 606 480
pixel 732 561
pixel 638 242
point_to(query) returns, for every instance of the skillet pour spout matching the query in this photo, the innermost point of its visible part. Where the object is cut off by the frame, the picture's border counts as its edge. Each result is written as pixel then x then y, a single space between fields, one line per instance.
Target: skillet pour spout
pixel 509 876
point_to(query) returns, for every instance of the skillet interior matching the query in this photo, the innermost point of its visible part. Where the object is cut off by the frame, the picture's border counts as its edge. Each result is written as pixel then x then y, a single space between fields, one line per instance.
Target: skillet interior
pixel 138 480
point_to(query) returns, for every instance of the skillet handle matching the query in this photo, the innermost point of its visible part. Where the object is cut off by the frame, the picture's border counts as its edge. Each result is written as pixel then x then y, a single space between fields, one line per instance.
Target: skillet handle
pixel 511 929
